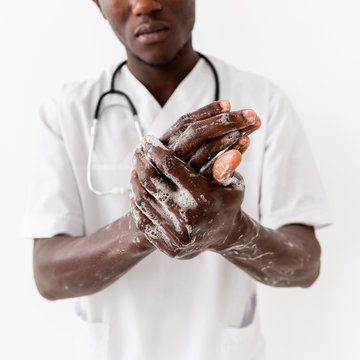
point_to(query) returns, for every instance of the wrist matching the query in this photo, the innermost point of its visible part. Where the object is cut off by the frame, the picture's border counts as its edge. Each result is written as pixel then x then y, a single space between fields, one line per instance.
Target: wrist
pixel 232 235
pixel 243 236
pixel 139 239
pixel 124 236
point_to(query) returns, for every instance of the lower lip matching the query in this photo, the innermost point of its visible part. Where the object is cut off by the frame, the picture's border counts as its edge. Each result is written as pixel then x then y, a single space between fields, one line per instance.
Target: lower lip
pixel 154 37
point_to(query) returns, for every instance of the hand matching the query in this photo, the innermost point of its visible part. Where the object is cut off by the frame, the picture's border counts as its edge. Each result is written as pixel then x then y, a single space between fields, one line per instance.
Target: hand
pixel 186 135
pixel 180 211
pixel 198 137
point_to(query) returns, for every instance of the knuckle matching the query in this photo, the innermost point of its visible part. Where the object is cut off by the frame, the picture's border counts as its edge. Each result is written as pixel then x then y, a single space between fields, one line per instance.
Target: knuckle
pixel 140 199
pixel 145 182
pixel 225 119
pixel 144 178
pixel 168 162
pixel 184 118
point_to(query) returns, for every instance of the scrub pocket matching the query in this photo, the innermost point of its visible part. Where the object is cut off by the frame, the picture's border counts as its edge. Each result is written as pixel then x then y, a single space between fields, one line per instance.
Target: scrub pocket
pixel 90 339
pixel 245 343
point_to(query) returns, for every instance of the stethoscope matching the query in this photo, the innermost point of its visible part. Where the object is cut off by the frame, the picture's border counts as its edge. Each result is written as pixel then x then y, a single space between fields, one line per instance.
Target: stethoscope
pixel 137 124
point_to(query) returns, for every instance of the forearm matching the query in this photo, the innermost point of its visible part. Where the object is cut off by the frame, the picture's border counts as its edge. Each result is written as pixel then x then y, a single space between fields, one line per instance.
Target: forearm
pixel 289 256
pixel 66 266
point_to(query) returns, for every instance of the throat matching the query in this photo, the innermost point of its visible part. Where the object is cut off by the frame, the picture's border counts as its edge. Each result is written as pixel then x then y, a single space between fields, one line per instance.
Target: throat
pixel 162 81
pixel 162 91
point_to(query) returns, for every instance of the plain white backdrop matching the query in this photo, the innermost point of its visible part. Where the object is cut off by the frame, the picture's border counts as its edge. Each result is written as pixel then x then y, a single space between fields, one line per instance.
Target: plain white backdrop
pixel 309 48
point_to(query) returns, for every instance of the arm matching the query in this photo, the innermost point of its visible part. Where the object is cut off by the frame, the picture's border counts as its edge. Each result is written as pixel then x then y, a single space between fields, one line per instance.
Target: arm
pixel 288 256
pixel 66 266
pixel 199 215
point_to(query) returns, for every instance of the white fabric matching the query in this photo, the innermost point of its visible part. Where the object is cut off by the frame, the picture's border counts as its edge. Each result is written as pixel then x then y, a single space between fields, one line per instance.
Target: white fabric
pixel 204 308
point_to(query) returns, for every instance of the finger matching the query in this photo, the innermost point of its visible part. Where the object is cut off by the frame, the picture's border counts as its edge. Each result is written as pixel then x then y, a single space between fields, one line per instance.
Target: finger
pixel 173 168
pixel 253 118
pixel 242 145
pixel 211 148
pixel 225 165
pixel 164 193
pixel 141 221
pixel 151 232
pixel 203 159
pixel 207 111
pixel 150 179
pixel 153 211
pixel 207 129
pixel 236 181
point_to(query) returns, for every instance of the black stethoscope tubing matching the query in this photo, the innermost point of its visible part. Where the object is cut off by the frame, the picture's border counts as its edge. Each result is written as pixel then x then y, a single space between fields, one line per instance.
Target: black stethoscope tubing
pixel 131 104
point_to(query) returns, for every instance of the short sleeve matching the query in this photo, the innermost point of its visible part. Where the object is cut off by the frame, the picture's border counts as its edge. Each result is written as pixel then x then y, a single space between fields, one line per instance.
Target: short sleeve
pixel 291 189
pixel 53 204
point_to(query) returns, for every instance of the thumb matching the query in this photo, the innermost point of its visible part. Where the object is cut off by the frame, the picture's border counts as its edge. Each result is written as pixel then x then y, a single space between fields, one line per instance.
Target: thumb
pixel 225 165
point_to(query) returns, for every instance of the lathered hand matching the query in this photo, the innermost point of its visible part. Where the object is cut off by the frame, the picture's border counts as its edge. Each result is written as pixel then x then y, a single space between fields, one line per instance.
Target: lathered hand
pixel 197 138
pixel 185 212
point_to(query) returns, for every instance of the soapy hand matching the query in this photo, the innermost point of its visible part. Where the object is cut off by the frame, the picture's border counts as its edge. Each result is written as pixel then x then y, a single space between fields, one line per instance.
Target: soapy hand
pixel 180 211
pixel 198 138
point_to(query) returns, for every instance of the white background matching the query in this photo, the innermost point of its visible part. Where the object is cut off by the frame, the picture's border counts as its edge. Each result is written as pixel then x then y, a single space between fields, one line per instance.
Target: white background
pixel 310 48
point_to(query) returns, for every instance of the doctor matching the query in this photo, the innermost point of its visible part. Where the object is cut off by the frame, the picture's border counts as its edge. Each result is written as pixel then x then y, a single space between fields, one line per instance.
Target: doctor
pixel 138 299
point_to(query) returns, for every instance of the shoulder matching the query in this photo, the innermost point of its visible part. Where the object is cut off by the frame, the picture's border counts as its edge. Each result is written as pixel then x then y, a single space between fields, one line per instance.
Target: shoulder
pixel 72 106
pixel 74 102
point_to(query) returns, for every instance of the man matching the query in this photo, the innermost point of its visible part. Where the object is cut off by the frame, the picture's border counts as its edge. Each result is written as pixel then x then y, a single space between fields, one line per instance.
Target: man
pixel 138 299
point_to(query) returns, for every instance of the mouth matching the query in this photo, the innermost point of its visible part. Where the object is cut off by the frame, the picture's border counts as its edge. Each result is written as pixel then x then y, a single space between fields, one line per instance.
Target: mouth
pixel 151 32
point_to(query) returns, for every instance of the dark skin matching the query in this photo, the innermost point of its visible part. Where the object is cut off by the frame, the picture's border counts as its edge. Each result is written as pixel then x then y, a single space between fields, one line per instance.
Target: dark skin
pixel 183 214
pixel 66 266
pixel 160 55
pixel 162 59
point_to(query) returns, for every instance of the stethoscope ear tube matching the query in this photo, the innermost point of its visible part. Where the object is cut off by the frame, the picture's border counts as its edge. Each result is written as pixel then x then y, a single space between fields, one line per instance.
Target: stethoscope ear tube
pixel 216 76
pixel 114 92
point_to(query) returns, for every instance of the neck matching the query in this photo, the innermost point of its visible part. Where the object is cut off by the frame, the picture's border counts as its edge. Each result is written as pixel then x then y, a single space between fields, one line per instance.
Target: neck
pixel 162 80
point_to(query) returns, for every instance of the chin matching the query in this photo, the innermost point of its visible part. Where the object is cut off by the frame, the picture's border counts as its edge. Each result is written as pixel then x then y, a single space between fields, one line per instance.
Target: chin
pixel 157 61
pixel 158 58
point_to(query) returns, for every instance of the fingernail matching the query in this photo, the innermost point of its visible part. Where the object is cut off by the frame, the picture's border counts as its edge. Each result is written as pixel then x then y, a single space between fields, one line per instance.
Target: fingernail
pixel 250 115
pixel 144 140
pixel 226 164
pixel 225 105
pixel 244 140
pixel 147 143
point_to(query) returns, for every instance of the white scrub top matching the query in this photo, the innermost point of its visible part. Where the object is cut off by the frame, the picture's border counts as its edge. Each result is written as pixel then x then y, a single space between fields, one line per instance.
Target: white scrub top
pixel 198 309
